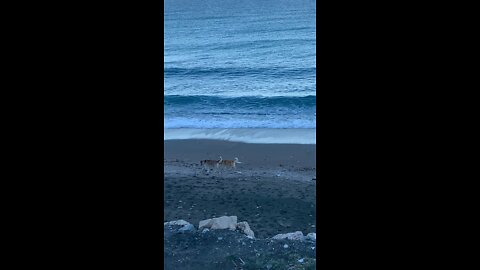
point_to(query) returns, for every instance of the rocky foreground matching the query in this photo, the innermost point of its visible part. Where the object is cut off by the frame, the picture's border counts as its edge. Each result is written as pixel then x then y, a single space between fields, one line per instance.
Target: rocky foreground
pixel 223 243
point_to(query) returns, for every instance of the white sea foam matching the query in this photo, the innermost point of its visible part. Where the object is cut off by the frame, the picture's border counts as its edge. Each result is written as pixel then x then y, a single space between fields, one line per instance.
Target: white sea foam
pixel 230 122
pixel 255 135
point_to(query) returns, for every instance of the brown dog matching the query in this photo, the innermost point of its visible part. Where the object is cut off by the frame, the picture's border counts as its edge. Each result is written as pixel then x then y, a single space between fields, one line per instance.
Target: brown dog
pixel 208 163
pixel 229 163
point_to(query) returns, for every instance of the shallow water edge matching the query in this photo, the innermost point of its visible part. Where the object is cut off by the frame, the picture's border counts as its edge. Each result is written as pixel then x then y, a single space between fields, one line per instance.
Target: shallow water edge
pixel 246 135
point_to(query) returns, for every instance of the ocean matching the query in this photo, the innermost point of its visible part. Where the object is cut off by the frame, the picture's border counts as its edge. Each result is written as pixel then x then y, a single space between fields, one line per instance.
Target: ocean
pixel 235 70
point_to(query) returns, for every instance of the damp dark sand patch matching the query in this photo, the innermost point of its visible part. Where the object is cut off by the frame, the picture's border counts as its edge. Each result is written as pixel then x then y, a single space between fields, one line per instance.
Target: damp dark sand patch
pixel 270 205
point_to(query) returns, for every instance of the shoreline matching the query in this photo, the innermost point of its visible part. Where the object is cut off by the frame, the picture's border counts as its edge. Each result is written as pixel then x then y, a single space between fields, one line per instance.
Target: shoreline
pixel 245 135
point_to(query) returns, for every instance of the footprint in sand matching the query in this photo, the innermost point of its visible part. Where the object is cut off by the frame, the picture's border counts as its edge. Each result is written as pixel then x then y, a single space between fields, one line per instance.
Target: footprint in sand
pixel 284 223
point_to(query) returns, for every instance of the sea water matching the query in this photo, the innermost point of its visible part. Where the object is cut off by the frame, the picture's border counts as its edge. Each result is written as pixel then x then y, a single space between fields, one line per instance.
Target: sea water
pixel 240 70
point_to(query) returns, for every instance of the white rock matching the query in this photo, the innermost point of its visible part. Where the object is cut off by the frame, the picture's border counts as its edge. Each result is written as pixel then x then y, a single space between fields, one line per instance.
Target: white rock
pixel 245 228
pixel 298 235
pixel 187 228
pixel 312 236
pixel 180 222
pixel 223 222
pixel 285 246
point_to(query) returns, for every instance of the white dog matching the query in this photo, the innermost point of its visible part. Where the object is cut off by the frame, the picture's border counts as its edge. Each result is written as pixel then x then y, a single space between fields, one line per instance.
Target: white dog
pixel 229 163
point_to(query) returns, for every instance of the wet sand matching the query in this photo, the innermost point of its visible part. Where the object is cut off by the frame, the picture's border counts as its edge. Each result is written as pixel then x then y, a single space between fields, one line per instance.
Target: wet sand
pixel 272 189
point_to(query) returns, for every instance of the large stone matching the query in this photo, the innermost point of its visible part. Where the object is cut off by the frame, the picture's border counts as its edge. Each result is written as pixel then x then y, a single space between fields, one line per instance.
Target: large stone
pixel 219 223
pixel 312 236
pixel 180 222
pixel 298 235
pixel 180 226
pixel 187 228
pixel 245 228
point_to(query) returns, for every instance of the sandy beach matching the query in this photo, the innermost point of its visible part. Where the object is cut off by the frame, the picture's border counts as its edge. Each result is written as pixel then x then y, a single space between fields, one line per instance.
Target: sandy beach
pixel 273 189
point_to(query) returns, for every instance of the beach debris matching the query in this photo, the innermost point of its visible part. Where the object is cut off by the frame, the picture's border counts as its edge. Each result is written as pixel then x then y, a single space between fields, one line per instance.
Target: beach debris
pixel 285 246
pixel 297 236
pixel 301 260
pixel 245 228
pixel 205 230
pixel 311 236
pixel 223 222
